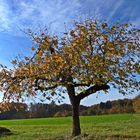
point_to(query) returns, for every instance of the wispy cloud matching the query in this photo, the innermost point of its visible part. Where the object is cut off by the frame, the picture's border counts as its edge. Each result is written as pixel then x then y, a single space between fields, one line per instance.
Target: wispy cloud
pixel 4 16
pixel 114 9
pixel 30 14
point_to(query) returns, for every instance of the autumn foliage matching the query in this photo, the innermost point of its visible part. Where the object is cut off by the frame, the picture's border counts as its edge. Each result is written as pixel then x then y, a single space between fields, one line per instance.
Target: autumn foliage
pixel 91 57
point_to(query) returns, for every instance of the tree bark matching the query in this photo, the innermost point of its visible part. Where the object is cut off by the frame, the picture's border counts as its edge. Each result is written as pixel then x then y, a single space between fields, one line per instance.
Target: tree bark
pixel 75 102
pixel 75 118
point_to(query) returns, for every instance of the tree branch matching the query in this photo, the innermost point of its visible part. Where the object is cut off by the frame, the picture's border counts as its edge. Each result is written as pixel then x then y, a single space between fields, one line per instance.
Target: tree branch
pixel 82 84
pixel 45 88
pixel 92 90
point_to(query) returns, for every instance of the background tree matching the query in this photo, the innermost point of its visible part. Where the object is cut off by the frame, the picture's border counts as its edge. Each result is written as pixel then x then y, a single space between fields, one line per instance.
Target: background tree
pixel 136 104
pixel 89 58
pixel 15 111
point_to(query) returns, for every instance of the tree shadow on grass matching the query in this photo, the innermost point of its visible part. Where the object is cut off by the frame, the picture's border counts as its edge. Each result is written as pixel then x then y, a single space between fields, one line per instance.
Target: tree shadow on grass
pixel 5 131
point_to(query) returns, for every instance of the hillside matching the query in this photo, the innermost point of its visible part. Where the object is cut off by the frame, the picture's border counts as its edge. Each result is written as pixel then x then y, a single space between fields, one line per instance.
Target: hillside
pixel 20 110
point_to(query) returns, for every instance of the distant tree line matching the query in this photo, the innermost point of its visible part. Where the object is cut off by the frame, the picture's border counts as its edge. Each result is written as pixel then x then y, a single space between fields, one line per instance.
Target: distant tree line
pixel 15 111
pixel 40 110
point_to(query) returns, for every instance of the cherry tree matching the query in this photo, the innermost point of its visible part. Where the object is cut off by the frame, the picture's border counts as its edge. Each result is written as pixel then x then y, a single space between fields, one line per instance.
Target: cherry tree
pixel 91 57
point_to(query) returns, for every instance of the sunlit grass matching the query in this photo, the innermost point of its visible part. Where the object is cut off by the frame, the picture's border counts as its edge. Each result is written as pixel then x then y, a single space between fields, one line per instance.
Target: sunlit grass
pixel 121 125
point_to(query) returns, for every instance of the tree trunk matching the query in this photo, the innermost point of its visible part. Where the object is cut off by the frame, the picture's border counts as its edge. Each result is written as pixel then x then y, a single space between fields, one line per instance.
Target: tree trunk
pixel 75 102
pixel 75 118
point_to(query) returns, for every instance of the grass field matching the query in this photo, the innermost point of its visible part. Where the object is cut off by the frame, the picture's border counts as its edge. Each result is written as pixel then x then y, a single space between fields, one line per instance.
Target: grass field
pixel 105 127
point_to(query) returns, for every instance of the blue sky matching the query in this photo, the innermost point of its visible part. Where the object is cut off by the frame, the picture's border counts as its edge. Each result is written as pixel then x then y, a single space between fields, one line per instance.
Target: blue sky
pixel 24 14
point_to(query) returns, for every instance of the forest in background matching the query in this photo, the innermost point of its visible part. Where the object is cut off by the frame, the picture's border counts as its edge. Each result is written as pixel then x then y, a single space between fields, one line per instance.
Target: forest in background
pixel 41 110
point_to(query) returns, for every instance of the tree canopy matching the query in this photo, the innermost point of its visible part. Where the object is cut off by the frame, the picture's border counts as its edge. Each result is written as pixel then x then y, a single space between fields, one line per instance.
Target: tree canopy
pixel 92 54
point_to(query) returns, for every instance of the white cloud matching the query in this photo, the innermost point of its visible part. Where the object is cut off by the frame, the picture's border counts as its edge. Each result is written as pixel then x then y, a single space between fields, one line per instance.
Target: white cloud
pixel 30 14
pixel 4 20
pixel 116 6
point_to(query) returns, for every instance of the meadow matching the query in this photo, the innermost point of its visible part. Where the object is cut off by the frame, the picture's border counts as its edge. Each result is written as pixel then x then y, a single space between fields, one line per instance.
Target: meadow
pixel 103 127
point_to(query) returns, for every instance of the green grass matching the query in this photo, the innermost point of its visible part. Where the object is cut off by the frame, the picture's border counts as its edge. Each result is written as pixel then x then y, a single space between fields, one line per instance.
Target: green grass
pixel 121 126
